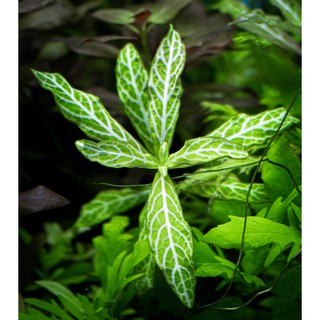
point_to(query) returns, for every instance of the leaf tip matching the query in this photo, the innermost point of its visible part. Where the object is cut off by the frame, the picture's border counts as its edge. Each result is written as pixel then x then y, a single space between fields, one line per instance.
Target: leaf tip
pixel 36 73
pixel 79 144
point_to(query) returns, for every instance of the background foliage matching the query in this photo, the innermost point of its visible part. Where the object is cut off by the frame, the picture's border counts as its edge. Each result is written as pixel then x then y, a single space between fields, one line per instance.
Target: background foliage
pixel 241 57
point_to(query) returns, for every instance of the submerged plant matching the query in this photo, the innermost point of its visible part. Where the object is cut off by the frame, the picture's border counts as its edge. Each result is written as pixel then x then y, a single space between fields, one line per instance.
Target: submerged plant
pixel 151 100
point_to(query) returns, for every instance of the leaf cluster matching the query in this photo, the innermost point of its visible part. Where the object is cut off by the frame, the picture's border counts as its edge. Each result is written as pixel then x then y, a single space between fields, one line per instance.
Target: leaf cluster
pixel 233 221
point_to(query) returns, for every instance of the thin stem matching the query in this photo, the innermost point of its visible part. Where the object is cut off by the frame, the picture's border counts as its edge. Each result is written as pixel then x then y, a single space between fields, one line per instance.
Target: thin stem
pixel 144 42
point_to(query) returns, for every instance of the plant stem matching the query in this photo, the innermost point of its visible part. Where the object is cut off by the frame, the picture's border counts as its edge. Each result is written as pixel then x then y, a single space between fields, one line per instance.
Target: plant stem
pixel 144 42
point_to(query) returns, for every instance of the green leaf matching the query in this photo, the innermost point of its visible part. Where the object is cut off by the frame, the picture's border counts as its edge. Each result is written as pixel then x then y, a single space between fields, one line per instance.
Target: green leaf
pixel 294 250
pixel 52 308
pixel 276 179
pixel 217 111
pixel 235 8
pixel 269 28
pixel 243 165
pixel 67 298
pixel 111 243
pixel 109 203
pixel 117 275
pixel 120 272
pixel 132 82
pixel 170 238
pixel 253 260
pixel 75 273
pixel 24 316
pixel 165 89
pixel 141 250
pixel 290 9
pixel 296 211
pixel 203 253
pixel 147 265
pixel 204 149
pixel 242 37
pixel 233 189
pixel 116 154
pixel 220 210
pixel 85 110
pixel 33 314
pixel 115 227
pixel 253 130
pixel 223 186
pixel 259 232
pixel 225 268
pixel 59 246
pixel 278 210
pixel 165 11
pixel 89 308
pixel 111 246
pixel 117 16
pixel 206 176
pixel 229 189
pixel 125 274
pixel 273 253
pixel 112 280
pixel 198 182
pixel 25 236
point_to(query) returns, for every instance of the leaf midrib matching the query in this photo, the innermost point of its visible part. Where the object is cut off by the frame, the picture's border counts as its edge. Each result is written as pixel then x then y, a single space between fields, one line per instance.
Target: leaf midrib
pixel 168 224
pixel 165 97
pixel 144 111
pixel 90 112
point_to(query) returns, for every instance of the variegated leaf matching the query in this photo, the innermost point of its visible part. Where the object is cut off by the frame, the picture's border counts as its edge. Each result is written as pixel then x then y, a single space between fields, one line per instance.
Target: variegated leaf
pixel 214 184
pixel 170 238
pixel 204 149
pixel 165 89
pixel 253 130
pixel 233 189
pixel 198 182
pixel 116 154
pixel 205 190
pixel 243 165
pixel 208 174
pixel 146 266
pixel 132 84
pixel 109 203
pixel 85 110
